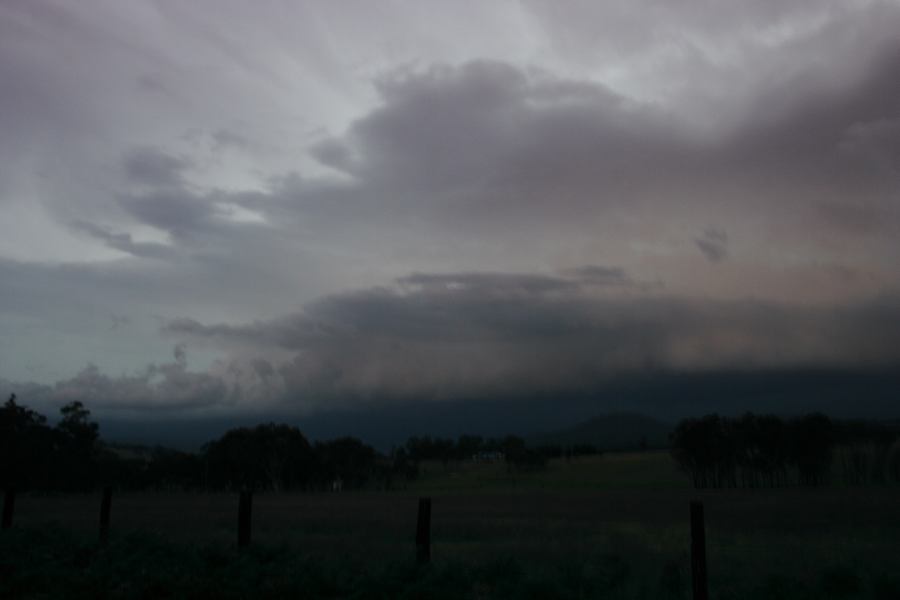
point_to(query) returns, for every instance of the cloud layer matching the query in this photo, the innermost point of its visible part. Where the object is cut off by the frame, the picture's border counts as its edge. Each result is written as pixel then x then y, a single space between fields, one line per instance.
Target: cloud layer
pixel 452 336
pixel 345 204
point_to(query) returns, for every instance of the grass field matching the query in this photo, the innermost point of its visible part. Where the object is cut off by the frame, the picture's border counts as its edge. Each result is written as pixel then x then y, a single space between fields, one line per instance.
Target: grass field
pixel 627 470
pixel 609 527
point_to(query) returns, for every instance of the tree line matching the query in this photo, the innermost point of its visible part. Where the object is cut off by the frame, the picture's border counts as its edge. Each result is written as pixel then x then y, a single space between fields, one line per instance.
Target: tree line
pixel 70 456
pixel 755 451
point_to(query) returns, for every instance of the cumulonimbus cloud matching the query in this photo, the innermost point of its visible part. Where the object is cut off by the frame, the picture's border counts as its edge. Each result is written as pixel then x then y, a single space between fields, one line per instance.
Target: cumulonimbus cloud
pixel 469 186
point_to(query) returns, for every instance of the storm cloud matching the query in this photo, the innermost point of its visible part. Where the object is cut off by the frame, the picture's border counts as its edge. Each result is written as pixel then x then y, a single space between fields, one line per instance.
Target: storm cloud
pixel 482 335
pixel 342 204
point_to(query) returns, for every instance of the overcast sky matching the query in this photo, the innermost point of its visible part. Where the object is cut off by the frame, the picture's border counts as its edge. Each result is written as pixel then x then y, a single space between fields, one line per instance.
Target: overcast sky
pixel 215 206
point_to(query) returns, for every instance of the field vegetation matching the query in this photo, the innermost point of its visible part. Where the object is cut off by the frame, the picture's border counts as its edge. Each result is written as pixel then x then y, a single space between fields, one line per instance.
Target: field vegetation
pixel 595 527
pixel 508 520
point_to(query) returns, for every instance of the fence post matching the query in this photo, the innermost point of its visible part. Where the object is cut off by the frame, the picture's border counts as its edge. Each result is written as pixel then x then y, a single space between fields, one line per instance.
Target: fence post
pixel 9 504
pixel 105 505
pixel 698 552
pixel 245 508
pixel 423 531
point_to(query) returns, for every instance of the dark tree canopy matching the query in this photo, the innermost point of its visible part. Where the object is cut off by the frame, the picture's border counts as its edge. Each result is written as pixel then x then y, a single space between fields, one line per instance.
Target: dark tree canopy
pixel 270 456
pixel 767 451
pixel 716 452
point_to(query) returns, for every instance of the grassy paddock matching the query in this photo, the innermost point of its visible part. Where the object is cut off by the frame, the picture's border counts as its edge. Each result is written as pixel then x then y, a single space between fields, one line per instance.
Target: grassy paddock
pixel 549 534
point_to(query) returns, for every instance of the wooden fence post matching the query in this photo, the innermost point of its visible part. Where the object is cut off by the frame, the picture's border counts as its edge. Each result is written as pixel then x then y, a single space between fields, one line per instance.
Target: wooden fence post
pixel 105 505
pixel 9 504
pixel 245 508
pixel 698 552
pixel 423 531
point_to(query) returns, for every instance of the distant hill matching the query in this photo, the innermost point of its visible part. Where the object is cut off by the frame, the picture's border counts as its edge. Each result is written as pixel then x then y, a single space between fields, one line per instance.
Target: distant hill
pixel 617 431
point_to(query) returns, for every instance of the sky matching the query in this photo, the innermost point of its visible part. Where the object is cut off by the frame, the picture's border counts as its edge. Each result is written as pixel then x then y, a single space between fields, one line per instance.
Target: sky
pixel 218 207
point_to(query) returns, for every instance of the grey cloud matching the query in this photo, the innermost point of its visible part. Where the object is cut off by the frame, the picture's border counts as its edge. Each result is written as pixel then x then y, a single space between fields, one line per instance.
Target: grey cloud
pixel 117 321
pixel 158 389
pixel 495 147
pixel 152 167
pixel 609 277
pixel 224 138
pixel 177 211
pixel 124 241
pixel 713 244
pixel 504 283
pixel 152 83
pixel 167 201
pixel 291 332
pixel 335 154
pixel 468 335
pixel 162 389
pixel 456 341
pixel 602 275
pixel 809 121
pixel 180 354
pixel 488 125
pixel 717 55
pixel 567 281
pixel 70 296
pixel 876 141
pixel 786 137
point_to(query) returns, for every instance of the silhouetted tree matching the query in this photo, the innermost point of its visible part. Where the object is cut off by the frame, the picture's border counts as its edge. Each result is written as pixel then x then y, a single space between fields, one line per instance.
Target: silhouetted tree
pixel 756 450
pixel 865 452
pixel 706 450
pixel 762 447
pixel 77 447
pixel 77 428
pixel 26 446
pixel 267 456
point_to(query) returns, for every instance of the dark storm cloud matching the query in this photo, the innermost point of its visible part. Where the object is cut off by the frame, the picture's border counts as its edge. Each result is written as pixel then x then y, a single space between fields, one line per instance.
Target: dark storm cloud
pixel 428 307
pixel 487 180
pixel 488 128
pixel 494 146
pixel 448 338
pixel 843 132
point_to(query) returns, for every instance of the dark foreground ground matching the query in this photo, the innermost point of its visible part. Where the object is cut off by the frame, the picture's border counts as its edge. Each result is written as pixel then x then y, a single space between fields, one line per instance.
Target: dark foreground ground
pixel 513 540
